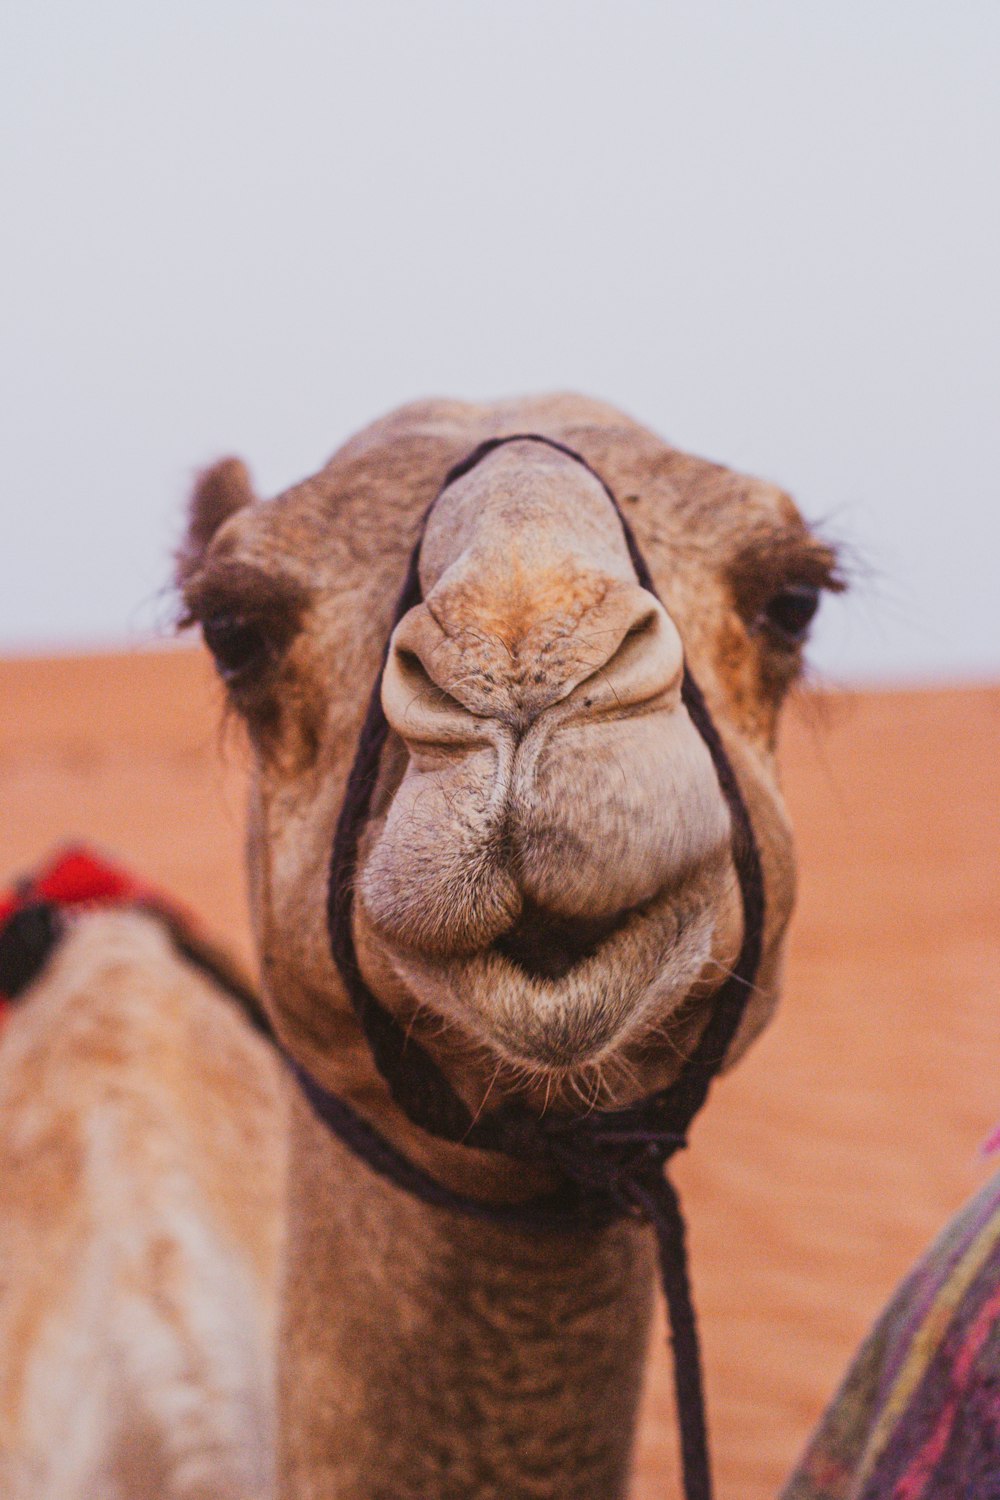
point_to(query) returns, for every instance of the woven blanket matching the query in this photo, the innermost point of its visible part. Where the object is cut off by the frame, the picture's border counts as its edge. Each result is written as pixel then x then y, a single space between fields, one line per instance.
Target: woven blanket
pixel 918 1416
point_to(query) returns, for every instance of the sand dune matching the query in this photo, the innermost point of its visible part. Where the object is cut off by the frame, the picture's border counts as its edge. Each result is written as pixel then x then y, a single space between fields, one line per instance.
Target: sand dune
pixel 824 1165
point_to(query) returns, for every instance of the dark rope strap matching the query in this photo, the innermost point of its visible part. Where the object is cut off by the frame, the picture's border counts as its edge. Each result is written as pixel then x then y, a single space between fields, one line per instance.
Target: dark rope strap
pixel 663 1210
pixel 560 1209
pixel 415 1081
pixel 611 1162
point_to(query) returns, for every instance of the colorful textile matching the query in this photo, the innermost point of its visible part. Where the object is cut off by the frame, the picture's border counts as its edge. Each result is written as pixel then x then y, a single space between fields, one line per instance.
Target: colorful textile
pixel 74 879
pixel 78 880
pixel 918 1416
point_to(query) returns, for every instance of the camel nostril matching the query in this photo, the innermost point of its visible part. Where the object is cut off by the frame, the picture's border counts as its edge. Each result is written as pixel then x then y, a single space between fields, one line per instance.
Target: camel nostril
pixel 645 669
pixel 418 704
pixel 416 675
pixel 644 626
pixel 544 945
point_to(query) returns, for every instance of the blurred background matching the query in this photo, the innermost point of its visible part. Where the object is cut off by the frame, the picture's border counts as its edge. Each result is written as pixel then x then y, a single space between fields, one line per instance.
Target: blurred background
pixel 771 232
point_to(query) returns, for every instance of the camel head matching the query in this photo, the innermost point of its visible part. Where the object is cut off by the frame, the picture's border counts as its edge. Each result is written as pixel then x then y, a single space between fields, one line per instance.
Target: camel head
pixel 545 889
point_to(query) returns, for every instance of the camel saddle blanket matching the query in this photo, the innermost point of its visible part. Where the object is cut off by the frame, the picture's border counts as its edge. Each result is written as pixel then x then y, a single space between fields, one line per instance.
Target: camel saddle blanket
pixel 918 1416
pixel 76 880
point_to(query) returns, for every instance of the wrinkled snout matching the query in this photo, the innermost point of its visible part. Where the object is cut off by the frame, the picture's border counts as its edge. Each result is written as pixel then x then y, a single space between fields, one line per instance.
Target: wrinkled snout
pixel 553 776
pixel 464 667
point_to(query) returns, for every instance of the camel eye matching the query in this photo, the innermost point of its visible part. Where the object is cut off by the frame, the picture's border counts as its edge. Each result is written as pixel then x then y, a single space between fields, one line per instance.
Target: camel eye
pixel 787 616
pixel 239 643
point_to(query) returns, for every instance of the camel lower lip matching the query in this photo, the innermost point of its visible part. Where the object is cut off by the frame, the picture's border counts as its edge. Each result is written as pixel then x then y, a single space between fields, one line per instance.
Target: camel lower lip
pixel 559 1056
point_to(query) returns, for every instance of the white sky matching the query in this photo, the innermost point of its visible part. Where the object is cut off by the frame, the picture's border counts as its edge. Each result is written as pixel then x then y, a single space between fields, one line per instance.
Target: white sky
pixel 770 230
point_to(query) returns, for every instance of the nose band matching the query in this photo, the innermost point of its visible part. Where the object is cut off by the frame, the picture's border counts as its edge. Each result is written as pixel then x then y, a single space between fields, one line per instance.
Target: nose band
pixel 608 1164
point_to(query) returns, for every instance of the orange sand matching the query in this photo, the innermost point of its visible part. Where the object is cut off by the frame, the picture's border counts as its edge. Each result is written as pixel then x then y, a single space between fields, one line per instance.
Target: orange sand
pixel 824 1165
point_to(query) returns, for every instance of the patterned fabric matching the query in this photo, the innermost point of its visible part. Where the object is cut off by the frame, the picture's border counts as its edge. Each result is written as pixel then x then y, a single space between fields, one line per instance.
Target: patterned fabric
pixel 918 1417
pixel 75 878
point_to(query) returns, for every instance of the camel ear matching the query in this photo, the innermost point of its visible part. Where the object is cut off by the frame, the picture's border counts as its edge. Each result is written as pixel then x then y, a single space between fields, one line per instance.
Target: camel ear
pixel 219 493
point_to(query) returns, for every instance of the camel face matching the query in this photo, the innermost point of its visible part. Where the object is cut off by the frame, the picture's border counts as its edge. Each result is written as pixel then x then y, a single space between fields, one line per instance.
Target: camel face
pixel 545 890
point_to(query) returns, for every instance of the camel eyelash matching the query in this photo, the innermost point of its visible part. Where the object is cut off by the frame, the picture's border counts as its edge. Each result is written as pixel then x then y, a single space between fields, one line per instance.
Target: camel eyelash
pixel 239 588
pixel 778 582
pixel 247 619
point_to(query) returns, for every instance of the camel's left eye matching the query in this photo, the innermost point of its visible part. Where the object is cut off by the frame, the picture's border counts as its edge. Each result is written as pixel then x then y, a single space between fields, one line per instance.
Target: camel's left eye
pixel 787 616
pixel 239 643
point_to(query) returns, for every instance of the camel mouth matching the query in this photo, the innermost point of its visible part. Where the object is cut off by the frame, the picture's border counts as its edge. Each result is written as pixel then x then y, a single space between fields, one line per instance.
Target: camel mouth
pixel 562 1015
pixel 560 998
pixel 544 945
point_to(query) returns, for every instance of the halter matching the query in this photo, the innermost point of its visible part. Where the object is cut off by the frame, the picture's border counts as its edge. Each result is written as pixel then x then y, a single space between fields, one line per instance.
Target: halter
pixel 608 1164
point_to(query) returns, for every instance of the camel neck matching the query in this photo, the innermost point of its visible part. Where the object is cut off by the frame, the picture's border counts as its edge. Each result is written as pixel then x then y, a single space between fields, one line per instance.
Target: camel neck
pixel 428 1355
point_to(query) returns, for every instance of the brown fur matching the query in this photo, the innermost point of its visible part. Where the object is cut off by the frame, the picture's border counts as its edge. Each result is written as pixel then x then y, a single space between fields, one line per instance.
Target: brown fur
pixel 541 760
pixel 142 1142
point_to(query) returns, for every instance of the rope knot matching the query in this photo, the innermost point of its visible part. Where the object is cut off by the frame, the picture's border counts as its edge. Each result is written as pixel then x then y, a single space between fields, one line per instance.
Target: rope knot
pixel 613 1159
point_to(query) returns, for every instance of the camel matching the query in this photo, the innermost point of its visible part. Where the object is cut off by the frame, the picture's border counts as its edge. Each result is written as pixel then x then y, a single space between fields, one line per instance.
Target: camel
pixel 545 894
pixel 142 1146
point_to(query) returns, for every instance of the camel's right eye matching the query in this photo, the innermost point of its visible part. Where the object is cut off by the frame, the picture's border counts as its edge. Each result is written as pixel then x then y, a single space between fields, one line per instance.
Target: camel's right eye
pixel 788 615
pixel 240 644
